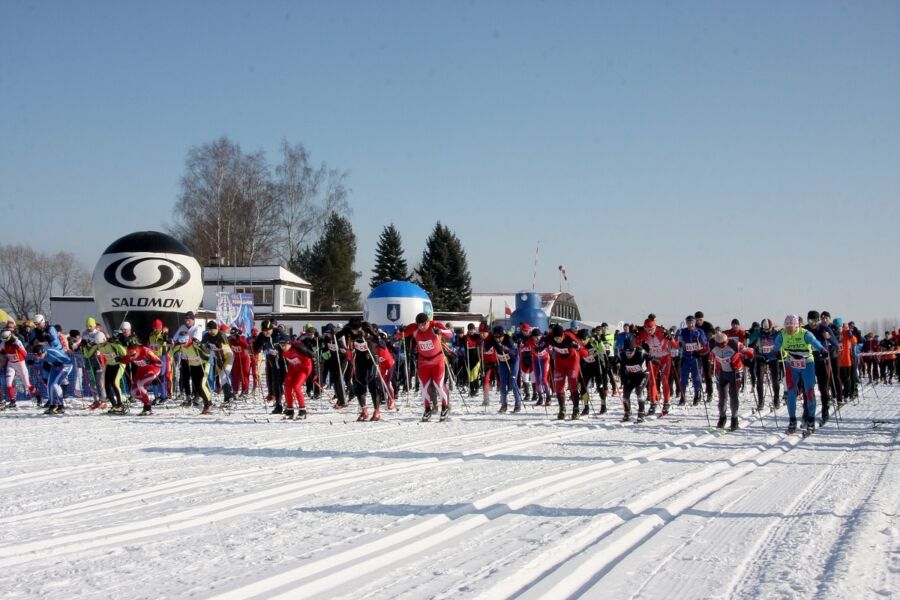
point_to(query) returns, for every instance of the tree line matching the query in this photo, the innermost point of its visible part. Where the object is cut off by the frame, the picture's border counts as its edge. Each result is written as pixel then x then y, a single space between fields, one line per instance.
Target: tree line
pixel 236 208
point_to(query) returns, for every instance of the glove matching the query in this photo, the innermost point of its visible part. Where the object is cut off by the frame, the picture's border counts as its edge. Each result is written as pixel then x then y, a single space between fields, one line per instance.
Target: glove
pixel 326 355
pixel 436 330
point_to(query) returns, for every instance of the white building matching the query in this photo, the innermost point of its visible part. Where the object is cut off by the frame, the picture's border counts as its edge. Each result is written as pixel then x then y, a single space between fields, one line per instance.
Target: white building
pixel 276 291
pixel 274 288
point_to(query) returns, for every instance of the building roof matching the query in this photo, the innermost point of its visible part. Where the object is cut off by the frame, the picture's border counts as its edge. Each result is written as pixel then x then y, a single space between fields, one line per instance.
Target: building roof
pixel 256 274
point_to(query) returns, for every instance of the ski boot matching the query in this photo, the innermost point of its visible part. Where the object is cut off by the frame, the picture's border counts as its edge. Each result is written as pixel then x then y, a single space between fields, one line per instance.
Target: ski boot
pixel 586 410
pixel 721 423
pixel 287 414
pixel 681 401
pixel 603 407
pixel 665 409
pixel 207 408
pixel 301 414
pixel 561 401
pixel 810 427
pixel 502 408
pixel 652 410
pixel 94 405
pixel 640 417
pixel 517 408
pixel 734 424
pixel 363 414
pixel 445 412
pixel 426 416
pixel 279 409
pixel 376 414
pixel 696 401
pixel 792 427
pixel 146 411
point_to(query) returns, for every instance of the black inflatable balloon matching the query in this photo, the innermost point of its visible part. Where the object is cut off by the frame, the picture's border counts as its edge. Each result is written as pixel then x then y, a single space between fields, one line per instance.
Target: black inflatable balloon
pixel 143 276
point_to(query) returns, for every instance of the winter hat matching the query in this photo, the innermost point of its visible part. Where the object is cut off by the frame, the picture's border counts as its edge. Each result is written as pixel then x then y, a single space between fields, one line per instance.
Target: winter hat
pixel 189 314
pixel 650 323
pixel 698 314
pixel 126 325
pixel 212 325
pixel 90 322
pixel 157 324
pixel 812 315
pixel 838 322
pixel 792 320
pixel 265 325
pixel 735 322
pixel 766 324
pixel 38 319
pixel 720 338
pixel 689 319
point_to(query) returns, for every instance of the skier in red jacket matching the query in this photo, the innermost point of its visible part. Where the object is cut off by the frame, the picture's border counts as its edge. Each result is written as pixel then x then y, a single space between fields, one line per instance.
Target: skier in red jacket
pixel 147 366
pixel 429 338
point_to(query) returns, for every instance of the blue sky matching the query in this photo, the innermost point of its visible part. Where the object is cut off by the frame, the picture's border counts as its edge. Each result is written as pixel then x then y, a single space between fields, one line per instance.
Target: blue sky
pixel 741 158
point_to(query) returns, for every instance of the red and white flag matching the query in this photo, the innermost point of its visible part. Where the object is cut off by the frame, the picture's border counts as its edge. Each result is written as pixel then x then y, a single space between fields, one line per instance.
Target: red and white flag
pixel 507 311
pixel 562 270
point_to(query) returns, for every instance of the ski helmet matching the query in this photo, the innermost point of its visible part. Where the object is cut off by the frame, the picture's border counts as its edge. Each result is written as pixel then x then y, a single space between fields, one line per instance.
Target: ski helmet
pixel 5 335
pixel 765 324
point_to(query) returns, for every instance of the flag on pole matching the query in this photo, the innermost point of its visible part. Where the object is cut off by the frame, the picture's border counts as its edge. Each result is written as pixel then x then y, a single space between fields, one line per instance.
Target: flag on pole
pixel 562 270
pixel 507 311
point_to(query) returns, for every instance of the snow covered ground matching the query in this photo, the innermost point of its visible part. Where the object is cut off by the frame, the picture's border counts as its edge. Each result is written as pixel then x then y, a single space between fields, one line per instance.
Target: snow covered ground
pixel 244 505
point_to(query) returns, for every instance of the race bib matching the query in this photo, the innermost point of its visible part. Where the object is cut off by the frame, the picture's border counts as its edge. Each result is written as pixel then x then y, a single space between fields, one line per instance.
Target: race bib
pixel 360 346
pixel 797 363
pixel 692 347
pixel 332 347
pixel 673 352
pixel 561 350
pixel 426 345
pixel 768 348
pixel 634 368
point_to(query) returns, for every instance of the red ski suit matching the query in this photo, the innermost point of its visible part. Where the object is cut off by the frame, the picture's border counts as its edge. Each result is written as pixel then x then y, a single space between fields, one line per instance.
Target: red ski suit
pixel 299 365
pixel 567 352
pixel 147 367
pixel 240 371
pixel 430 353
pixel 660 362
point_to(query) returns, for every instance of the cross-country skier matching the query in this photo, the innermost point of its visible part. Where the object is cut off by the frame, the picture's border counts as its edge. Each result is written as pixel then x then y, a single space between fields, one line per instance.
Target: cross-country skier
pixel 298 359
pixel 147 367
pixel 14 353
pixel 694 346
pixel 796 346
pixel 111 353
pixel 728 354
pixel 653 339
pixel 274 364
pixel 507 367
pixel 767 364
pixel 332 364
pixel 56 364
pixel 634 376
pixel 223 358
pixel 567 352
pixel 429 338
pixel 197 358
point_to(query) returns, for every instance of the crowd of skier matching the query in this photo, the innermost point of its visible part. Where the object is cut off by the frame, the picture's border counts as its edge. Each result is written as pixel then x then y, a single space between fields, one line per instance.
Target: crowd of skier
pixel 650 367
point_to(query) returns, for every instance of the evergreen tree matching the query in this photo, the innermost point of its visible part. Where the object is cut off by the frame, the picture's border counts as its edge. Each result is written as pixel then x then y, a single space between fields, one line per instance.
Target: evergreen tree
pixel 328 265
pixel 389 262
pixel 444 271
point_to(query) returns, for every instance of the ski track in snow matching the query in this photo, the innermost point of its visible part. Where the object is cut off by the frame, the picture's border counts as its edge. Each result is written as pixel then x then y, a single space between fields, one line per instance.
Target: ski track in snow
pixel 241 505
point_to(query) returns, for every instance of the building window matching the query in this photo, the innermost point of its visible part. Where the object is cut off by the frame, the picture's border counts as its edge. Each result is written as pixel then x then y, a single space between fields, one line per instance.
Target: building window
pixel 295 297
pixel 262 295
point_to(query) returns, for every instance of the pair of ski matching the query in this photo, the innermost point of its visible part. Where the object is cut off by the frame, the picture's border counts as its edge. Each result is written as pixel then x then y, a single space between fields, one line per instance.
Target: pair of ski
pixel 444 415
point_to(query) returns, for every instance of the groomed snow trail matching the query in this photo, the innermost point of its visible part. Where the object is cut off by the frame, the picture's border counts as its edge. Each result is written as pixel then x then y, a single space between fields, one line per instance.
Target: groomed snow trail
pixel 487 506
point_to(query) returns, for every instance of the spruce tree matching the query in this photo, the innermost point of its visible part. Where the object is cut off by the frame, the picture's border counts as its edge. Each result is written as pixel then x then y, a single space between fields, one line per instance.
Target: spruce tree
pixel 444 271
pixel 389 262
pixel 328 265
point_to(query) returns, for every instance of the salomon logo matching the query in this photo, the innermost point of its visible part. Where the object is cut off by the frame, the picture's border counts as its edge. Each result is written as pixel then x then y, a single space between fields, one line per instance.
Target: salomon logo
pixel 138 273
